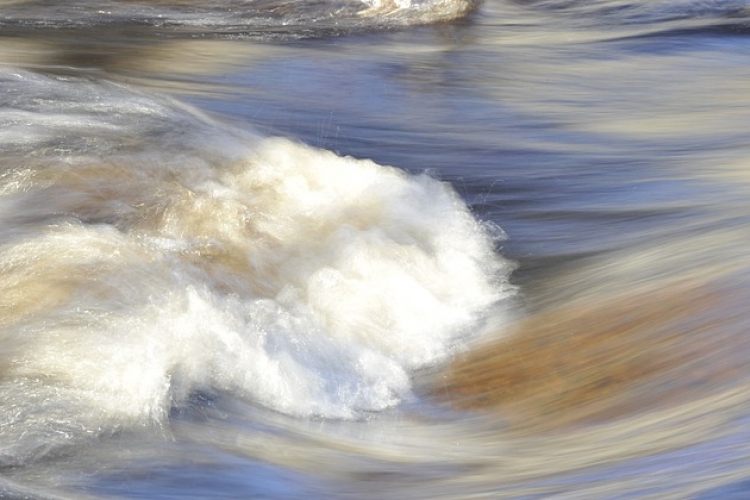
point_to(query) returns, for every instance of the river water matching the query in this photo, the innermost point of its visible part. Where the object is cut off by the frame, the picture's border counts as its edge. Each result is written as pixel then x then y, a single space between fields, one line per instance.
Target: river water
pixel 348 250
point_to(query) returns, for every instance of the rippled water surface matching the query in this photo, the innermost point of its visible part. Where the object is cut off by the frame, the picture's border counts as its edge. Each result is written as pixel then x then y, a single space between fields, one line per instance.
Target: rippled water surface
pixel 374 249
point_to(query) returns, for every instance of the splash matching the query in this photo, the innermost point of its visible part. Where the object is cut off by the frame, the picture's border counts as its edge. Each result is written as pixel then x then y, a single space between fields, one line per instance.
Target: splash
pixel 149 254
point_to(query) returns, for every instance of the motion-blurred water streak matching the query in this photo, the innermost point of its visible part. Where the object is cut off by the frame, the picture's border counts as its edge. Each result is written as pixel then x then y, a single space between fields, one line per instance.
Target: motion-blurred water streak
pixel 374 249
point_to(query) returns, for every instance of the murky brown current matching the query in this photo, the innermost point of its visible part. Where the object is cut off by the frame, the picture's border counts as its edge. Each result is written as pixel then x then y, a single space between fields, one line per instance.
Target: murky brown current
pixel 214 286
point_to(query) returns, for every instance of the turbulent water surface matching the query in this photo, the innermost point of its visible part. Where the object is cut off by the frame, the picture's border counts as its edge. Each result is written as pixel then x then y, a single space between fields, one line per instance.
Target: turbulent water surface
pixel 353 249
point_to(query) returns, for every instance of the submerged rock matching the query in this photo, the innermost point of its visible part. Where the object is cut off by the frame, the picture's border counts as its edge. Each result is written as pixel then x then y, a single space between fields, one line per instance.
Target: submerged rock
pixel 599 360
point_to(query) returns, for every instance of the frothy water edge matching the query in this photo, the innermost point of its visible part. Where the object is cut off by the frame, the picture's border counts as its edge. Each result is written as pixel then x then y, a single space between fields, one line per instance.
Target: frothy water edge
pixel 216 260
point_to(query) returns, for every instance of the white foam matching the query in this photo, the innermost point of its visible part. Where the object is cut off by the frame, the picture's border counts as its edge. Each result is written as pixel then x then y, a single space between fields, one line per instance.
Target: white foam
pixel 309 283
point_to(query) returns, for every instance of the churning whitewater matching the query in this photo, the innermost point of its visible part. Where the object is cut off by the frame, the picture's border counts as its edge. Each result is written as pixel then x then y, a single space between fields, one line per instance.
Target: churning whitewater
pixel 149 253
pixel 249 19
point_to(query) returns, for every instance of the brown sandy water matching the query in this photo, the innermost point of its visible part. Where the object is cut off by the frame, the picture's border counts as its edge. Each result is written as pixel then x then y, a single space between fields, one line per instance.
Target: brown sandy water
pixel 601 360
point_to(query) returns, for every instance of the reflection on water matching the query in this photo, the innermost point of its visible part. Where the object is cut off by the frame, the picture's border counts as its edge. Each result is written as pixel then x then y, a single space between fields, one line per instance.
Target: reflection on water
pixel 196 308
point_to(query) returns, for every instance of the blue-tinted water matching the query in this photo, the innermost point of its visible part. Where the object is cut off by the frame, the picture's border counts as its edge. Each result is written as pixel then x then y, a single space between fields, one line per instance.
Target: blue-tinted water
pixel 204 296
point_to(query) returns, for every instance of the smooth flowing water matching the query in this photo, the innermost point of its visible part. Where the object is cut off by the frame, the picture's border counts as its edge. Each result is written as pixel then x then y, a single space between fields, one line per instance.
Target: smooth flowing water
pixel 344 249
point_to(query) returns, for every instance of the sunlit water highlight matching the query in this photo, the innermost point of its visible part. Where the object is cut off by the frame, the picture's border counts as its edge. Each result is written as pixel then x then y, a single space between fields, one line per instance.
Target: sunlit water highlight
pixel 209 290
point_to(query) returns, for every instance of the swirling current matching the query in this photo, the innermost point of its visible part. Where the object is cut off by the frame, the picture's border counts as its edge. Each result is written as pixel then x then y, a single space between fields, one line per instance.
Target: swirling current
pixel 374 249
